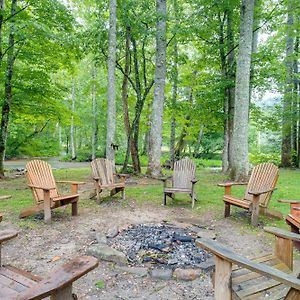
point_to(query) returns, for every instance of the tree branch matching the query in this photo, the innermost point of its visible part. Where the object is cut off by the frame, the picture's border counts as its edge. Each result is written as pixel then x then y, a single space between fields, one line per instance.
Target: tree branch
pixel 11 16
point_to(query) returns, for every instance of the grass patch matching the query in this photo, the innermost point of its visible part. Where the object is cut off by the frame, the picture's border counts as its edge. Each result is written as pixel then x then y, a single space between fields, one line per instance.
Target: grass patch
pixel 208 193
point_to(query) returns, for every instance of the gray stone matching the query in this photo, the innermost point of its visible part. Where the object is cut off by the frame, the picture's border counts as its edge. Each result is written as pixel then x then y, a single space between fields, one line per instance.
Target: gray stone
pixel 107 253
pixel 101 238
pixel 207 234
pixel 186 274
pixel 137 271
pixel 161 274
pixel 112 232
pixel 208 265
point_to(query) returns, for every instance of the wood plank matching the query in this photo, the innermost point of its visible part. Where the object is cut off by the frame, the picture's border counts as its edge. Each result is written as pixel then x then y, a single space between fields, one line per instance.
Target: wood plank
pixel 18 277
pixel 232 257
pixel 12 284
pixel 61 277
pixel 222 279
pixel 252 275
pixel 276 293
pixel 7 293
pixel 265 259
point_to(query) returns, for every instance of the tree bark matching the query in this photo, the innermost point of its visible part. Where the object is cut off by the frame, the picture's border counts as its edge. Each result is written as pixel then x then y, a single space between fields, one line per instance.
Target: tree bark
pixel 240 168
pixel 154 167
pixel 8 89
pixel 286 147
pixel 111 93
pixel 95 114
pixel 1 23
pixel 198 143
pixel 228 73
pixel 72 127
pixel 174 88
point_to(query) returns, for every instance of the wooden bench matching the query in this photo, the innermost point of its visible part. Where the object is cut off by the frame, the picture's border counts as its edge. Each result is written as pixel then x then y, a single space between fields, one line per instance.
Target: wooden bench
pixel 17 284
pixel 266 277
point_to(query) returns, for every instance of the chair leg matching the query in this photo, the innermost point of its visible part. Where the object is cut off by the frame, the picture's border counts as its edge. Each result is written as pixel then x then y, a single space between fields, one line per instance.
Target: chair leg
pixel 47 207
pixel 123 194
pixel 63 294
pixel 295 229
pixel 255 210
pixel 193 200
pixel 75 208
pixel 226 210
pixel 98 193
pixel 165 199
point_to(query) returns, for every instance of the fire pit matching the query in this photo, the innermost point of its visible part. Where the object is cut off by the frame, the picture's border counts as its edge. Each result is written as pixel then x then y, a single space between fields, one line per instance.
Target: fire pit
pixel 164 245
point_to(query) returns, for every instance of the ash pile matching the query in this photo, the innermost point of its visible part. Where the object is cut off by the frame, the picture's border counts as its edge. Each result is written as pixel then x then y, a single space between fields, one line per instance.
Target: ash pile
pixel 163 244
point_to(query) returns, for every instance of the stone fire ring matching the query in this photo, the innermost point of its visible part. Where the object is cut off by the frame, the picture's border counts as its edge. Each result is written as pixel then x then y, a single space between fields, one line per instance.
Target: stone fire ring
pixel 101 250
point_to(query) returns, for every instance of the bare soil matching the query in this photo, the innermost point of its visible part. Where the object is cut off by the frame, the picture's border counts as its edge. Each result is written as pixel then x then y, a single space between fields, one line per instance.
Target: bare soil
pixel 43 247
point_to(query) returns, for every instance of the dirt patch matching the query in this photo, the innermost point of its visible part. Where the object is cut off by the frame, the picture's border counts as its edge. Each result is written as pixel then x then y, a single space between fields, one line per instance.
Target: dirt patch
pixel 44 247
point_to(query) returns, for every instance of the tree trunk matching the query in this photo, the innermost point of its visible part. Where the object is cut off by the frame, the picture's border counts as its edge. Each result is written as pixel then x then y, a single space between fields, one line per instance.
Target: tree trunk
pixel 198 143
pixel 111 93
pixel 174 88
pixel 286 147
pixel 240 168
pixel 8 88
pixel 154 168
pixel 95 114
pixel 72 128
pixel 228 74
pixel 1 23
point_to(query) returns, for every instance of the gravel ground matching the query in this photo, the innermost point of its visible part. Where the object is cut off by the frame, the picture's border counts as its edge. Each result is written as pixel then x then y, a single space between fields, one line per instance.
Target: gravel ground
pixel 43 247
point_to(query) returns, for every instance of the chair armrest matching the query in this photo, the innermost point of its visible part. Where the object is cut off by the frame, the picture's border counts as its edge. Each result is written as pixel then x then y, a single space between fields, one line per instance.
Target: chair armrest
pixel 224 184
pixel 230 256
pixel 42 187
pixel 282 233
pixel 71 182
pixel 60 278
pixel 165 178
pixel 257 193
pixel 289 201
pixel 6 235
pixel 121 175
pixel 194 180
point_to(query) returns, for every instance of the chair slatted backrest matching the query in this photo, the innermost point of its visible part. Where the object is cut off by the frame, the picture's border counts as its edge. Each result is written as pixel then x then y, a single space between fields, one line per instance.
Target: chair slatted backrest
pixel 264 176
pixel 184 172
pixel 103 169
pixel 39 173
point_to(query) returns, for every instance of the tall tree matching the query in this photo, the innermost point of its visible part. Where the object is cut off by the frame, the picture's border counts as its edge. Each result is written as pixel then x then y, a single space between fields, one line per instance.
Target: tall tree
pixel 95 113
pixel 286 147
pixel 154 168
pixel 174 86
pixel 111 92
pixel 72 127
pixel 240 164
pixel 6 106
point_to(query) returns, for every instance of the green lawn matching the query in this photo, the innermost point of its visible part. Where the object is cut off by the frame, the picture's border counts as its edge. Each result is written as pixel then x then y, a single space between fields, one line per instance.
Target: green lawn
pixel 209 195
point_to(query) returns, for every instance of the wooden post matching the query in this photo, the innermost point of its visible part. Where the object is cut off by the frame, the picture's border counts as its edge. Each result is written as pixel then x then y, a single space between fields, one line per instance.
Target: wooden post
pixel 193 196
pixel 75 207
pixel 227 210
pixel 255 210
pixel 284 250
pixel 228 190
pixel 74 188
pixel 47 207
pixel 222 279
pixel 63 294
pixel 123 194
pixel 293 294
pixel 295 229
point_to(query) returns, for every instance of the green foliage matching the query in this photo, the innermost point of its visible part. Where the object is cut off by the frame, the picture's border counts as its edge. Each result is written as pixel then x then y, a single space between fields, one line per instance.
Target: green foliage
pixel 257 158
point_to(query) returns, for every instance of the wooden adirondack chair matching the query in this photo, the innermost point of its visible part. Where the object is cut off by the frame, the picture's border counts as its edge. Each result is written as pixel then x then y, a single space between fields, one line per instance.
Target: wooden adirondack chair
pixel 266 277
pixel 293 218
pixel 17 284
pixel 182 181
pixel 45 194
pixel 105 178
pixel 259 190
